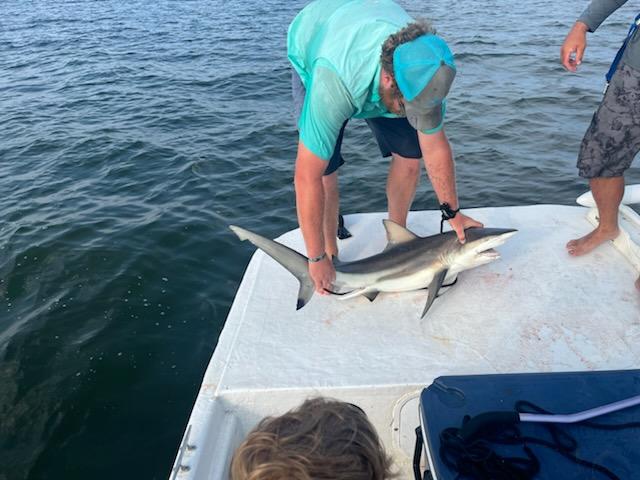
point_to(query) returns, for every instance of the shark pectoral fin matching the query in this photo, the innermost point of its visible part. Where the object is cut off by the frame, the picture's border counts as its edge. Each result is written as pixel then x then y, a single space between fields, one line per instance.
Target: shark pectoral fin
pixel 434 287
pixel 305 292
pixel 371 295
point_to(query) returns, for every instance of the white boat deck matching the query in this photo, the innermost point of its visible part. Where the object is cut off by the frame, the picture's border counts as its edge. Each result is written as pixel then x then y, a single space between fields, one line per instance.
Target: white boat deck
pixel 534 310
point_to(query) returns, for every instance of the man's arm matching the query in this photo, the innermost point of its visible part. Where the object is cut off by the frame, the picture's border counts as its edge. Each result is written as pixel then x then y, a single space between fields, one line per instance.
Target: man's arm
pixel 598 11
pixel 326 107
pixel 310 208
pixel 575 43
pixel 438 160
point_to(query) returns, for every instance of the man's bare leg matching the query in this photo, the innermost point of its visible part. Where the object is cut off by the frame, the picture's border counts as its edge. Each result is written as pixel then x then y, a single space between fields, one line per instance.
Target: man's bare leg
pixel 607 193
pixel 331 210
pixel 402 181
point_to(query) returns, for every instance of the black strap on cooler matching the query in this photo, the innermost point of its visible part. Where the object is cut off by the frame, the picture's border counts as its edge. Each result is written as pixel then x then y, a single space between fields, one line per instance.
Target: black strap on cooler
pixel 417 456
pixel 470 449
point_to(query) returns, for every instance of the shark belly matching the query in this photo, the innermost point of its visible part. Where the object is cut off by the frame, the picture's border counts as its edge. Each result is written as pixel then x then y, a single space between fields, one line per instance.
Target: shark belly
pixel 349 285
pixel 405 283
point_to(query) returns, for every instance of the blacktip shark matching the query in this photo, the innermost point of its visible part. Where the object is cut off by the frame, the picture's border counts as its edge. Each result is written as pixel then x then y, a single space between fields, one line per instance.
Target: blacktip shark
pixel 408 262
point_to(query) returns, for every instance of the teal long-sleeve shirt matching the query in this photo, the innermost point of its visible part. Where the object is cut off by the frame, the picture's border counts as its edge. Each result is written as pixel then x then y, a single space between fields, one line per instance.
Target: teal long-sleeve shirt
pixel 334 46
pixel 597 12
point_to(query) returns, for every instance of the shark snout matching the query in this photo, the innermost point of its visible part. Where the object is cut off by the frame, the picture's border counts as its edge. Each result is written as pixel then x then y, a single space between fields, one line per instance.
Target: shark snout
pixel 484 239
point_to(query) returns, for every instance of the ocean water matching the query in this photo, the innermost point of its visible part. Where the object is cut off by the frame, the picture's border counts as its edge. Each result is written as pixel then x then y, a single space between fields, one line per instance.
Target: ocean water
pixel 133 132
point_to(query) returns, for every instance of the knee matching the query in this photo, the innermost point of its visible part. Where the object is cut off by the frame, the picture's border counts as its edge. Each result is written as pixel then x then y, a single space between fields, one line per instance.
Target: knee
pixel 414 169
pixel 410 167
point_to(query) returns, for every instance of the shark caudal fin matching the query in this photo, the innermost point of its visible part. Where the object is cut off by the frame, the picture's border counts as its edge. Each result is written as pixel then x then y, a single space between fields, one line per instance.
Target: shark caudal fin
pixel 305 292
pixel 293 261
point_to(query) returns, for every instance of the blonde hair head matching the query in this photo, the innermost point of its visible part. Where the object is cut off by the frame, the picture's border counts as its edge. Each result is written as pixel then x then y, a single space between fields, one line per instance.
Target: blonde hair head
pixel 322 439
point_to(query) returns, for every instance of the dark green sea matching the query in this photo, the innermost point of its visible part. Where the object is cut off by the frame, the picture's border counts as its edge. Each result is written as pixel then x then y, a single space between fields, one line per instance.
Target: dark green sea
pixel 132 133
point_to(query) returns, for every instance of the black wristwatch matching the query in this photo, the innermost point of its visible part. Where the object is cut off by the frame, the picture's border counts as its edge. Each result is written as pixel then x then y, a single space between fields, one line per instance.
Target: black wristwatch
pixel 447 214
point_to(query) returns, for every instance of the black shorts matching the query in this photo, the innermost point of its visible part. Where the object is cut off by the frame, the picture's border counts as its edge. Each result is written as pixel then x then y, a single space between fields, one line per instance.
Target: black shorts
pixel 394 135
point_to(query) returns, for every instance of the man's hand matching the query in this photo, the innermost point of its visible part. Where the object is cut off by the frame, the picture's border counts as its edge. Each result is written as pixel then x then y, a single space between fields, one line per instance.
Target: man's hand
pixel 460 222
pixel 323 274
pixel 574 46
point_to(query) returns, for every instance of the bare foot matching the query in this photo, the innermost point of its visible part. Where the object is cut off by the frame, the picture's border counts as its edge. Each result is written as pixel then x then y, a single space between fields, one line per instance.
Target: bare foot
pixel 585 244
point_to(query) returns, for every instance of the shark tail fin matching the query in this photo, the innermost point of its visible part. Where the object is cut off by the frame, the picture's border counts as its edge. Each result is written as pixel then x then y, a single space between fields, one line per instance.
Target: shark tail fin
pixel 305 292
pixel 241 233
pixel 293 261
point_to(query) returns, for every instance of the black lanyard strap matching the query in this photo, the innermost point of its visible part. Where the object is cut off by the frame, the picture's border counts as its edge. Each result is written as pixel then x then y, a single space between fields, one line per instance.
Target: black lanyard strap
pixel 447 214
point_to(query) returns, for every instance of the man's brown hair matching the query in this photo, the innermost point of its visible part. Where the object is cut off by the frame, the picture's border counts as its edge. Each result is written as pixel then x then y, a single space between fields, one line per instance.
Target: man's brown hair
pixel 407 34
pixel 322 439
pixel 410 32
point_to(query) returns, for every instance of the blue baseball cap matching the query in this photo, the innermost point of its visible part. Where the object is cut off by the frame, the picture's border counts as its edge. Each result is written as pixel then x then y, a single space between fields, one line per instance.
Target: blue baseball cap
pixel 424 71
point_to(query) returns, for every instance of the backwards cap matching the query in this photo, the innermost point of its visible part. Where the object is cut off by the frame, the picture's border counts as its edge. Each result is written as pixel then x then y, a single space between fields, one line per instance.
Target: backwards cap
pixel 424 71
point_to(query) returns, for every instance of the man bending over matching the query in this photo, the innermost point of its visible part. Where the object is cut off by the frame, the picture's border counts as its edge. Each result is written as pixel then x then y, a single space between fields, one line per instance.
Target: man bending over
pixel 368 59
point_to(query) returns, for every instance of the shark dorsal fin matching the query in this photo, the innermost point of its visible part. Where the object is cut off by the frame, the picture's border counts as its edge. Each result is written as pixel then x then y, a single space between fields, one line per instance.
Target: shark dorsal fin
pixel 397 234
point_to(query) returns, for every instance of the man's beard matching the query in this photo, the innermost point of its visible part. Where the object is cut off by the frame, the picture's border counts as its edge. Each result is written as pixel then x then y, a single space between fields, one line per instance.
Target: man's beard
pixel 391 99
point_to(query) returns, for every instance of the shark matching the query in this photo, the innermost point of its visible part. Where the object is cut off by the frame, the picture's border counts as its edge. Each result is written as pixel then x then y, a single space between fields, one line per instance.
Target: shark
pixel 408 262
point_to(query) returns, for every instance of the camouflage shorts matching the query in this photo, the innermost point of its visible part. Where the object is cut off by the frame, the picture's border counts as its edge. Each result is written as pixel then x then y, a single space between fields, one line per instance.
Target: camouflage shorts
pixel 613 138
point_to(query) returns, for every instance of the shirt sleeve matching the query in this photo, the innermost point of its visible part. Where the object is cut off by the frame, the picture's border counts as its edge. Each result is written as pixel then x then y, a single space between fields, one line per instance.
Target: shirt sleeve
pixel 327 105
pixel 598 11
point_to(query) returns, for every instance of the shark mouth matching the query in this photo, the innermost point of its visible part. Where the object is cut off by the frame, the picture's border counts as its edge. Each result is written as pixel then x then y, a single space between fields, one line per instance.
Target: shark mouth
pixel 490 254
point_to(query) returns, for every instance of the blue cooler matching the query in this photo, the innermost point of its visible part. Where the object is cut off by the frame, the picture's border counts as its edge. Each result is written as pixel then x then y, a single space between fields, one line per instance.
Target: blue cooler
pixel 606 447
